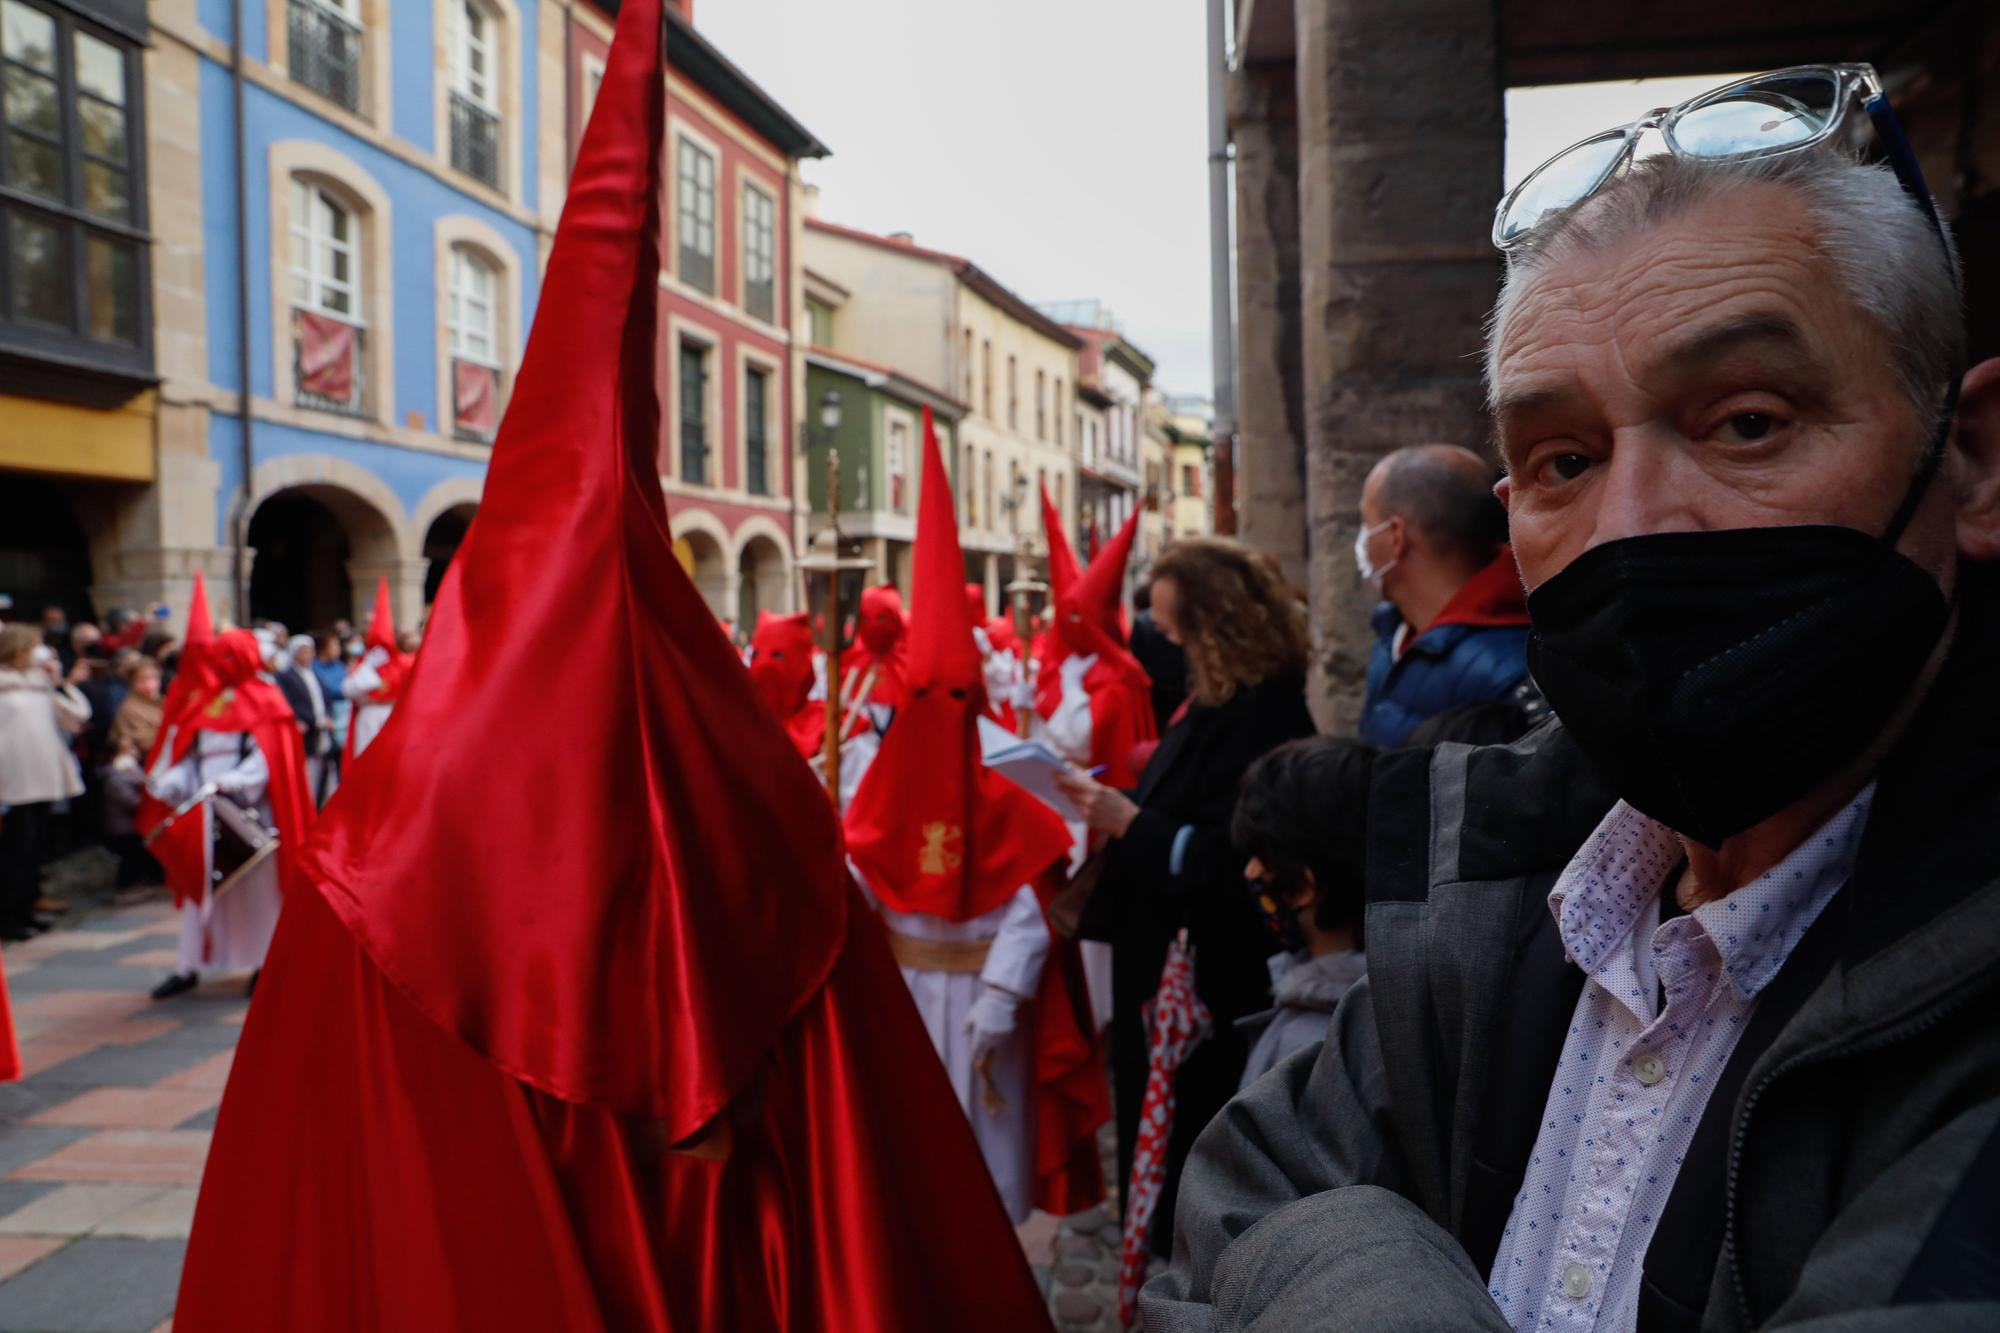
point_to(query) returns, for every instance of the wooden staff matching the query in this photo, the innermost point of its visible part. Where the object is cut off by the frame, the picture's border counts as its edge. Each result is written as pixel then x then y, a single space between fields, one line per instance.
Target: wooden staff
pixel 831 752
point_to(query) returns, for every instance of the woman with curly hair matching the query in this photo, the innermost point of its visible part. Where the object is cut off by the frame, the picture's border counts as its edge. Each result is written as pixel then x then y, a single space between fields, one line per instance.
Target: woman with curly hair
pixel 1170 863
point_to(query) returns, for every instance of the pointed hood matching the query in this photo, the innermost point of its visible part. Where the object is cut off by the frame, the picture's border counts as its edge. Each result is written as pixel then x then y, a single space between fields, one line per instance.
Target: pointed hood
pixel 381 620
pixel 621 901
pixel 781 661
pixel 200 623
pixel 1062 560
pixel 931 828
pixel 392 665
pixel 1099 596
pixel 193 672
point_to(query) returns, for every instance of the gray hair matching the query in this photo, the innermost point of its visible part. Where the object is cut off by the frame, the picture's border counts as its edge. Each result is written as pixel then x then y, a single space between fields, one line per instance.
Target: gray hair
pixel 1884 251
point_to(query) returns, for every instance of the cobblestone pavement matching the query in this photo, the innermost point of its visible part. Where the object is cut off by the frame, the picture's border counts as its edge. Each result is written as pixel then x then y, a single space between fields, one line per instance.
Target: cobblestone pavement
pixel 1077 1258
pixel 102 1141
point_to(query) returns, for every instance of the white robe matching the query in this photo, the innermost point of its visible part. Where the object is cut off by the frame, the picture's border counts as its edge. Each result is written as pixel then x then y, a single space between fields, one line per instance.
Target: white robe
pixel 1020 936
pixel 230 932
pixel 1069 734
pixel 362 681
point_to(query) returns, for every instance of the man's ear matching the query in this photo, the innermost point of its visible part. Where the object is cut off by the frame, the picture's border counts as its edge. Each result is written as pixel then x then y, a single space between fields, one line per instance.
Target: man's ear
pixel 1302 896
pixel 1977 430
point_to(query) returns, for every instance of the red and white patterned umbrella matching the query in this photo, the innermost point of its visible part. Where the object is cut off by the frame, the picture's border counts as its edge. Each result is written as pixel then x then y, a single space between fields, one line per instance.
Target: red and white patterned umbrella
pixel 1176 1022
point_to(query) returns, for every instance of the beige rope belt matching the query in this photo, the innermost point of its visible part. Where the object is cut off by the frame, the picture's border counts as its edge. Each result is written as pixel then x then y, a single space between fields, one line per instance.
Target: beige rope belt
pixel 940 955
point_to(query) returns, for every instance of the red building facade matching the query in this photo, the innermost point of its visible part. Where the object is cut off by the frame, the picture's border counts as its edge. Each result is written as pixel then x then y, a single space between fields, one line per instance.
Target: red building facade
pixel 731 368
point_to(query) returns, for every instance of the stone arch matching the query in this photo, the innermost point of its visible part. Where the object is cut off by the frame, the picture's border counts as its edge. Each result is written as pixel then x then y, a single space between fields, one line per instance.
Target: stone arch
pixel 451 493
pixel 704 549
pixel 763 571
pixel 378 542
pixel 349 181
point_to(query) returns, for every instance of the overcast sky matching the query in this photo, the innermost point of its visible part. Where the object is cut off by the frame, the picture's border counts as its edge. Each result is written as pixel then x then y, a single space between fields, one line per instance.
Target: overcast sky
pixel 1059 144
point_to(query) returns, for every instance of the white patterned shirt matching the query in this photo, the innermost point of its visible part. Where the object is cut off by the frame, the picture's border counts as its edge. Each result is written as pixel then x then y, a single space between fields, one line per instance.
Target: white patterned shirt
pixel 1634 1077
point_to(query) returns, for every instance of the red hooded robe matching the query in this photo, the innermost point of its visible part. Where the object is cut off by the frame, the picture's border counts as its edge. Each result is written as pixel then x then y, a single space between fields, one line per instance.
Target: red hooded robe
pixel 381 634
pixel 880 645
pixel 230 695
pixel 1090 619
pixel 781 665
pixel 934 830
pixel 579 1023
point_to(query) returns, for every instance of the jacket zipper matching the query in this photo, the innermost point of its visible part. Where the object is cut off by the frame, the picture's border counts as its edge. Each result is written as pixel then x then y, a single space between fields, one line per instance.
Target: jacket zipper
pixel 1888 1037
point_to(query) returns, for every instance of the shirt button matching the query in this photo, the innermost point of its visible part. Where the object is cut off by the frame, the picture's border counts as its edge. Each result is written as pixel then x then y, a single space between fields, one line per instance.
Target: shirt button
pixel 1576 1281
pixel 1648 1068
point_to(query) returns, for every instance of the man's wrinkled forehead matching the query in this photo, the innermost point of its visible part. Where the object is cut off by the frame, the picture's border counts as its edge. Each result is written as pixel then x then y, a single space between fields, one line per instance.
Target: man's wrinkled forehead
pixel 1732 275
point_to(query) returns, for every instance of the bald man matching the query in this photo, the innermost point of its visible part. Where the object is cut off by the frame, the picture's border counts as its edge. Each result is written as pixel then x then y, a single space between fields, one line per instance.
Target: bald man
pixel 1452 630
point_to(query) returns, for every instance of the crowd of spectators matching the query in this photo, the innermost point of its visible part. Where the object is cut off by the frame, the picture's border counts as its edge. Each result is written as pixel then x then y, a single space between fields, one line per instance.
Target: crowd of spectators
pixel 80 707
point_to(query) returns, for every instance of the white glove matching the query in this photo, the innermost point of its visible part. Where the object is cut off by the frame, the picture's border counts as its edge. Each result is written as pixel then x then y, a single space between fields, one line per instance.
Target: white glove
pixel 171 787
pixel 1024 693
pixel 991 1020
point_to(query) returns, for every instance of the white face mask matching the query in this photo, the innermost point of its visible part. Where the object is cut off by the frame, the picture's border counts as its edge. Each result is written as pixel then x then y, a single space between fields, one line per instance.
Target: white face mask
pixel 1369 573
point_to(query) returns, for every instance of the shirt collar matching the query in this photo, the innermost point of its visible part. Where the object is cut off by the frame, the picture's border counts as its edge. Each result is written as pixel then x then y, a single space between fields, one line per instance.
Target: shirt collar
pixel 1611 881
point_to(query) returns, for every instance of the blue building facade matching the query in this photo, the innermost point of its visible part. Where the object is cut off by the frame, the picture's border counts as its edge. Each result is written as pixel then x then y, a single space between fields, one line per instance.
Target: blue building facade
pixel 373 210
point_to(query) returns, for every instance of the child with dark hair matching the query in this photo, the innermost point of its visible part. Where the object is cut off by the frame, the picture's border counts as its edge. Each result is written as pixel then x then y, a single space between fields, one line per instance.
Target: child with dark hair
pixel 1301 819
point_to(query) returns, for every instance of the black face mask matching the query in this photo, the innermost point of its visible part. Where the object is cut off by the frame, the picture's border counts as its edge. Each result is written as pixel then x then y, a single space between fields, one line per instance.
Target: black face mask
pixel 1716 677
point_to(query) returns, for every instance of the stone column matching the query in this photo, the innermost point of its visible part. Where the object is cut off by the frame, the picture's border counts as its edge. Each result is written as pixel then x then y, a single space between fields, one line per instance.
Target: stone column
pixel 1400 138
pixel 406 589
pixel 1270 409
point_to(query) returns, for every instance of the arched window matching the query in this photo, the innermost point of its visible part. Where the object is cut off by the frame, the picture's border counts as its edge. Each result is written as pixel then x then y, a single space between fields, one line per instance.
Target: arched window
pixel 327 324
pixel 472 319
pixel 968 488
pixel 472 67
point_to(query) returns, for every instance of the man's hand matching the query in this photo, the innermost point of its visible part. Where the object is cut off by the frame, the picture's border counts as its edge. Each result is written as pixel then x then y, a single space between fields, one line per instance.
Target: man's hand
pixel 1103 808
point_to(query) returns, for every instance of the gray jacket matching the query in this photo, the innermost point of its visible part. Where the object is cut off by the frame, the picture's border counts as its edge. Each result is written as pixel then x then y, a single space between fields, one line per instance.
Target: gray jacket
pixel 1842 1180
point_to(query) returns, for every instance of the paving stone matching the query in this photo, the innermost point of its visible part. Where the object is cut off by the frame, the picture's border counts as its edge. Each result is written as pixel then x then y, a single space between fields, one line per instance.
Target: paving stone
pixel 206 1120
pixel 22 1144
pixel 123 1156
pixel 96 1285
pixel 1076 1247
pixel 74 1210
pixel 20 1193
pixel 1074 1307
pixel 163 1214
pixel 19 1101
pixel 17 1252
pixel 129 1108
pixel 138 1066
pixel 1074 1275
pixel 210 1075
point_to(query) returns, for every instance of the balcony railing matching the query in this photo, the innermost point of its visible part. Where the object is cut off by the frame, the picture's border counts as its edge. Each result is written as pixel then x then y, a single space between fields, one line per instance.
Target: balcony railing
pixel 325 53
pixel 475 140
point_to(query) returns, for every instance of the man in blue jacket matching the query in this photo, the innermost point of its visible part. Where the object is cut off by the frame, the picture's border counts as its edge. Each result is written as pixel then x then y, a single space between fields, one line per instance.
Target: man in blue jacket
pixel 1452 629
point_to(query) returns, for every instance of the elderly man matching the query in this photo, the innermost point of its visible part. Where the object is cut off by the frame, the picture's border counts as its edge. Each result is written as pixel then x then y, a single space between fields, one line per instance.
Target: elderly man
pixel 1686 1019
pixel 1451 632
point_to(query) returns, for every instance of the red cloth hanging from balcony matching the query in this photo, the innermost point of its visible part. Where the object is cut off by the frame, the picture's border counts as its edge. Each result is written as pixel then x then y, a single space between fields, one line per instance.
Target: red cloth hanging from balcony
pixel 475 398
pixel 326 356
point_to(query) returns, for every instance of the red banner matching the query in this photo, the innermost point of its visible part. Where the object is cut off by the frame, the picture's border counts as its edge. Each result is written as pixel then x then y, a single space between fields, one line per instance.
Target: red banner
pixel 326 356
pixel 475 398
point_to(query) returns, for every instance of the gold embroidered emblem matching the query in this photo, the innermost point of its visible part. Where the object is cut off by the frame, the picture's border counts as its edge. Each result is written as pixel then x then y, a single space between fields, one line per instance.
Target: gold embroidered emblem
pixel 220 702
pixel 940 854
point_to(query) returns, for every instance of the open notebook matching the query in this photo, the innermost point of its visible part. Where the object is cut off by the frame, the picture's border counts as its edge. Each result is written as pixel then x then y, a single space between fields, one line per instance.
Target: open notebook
pixel 1030 765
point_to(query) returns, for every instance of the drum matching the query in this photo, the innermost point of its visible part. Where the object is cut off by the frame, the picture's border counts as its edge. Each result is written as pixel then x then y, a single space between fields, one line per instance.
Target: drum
pixel 241 843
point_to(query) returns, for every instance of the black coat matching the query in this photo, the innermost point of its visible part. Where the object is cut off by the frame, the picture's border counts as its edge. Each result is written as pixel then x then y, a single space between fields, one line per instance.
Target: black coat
pixel 1139 904
pixel 299 695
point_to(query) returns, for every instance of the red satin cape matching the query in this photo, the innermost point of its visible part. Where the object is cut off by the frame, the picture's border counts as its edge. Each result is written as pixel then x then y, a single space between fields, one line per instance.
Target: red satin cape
pixel 418 1187
pixel 233 698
